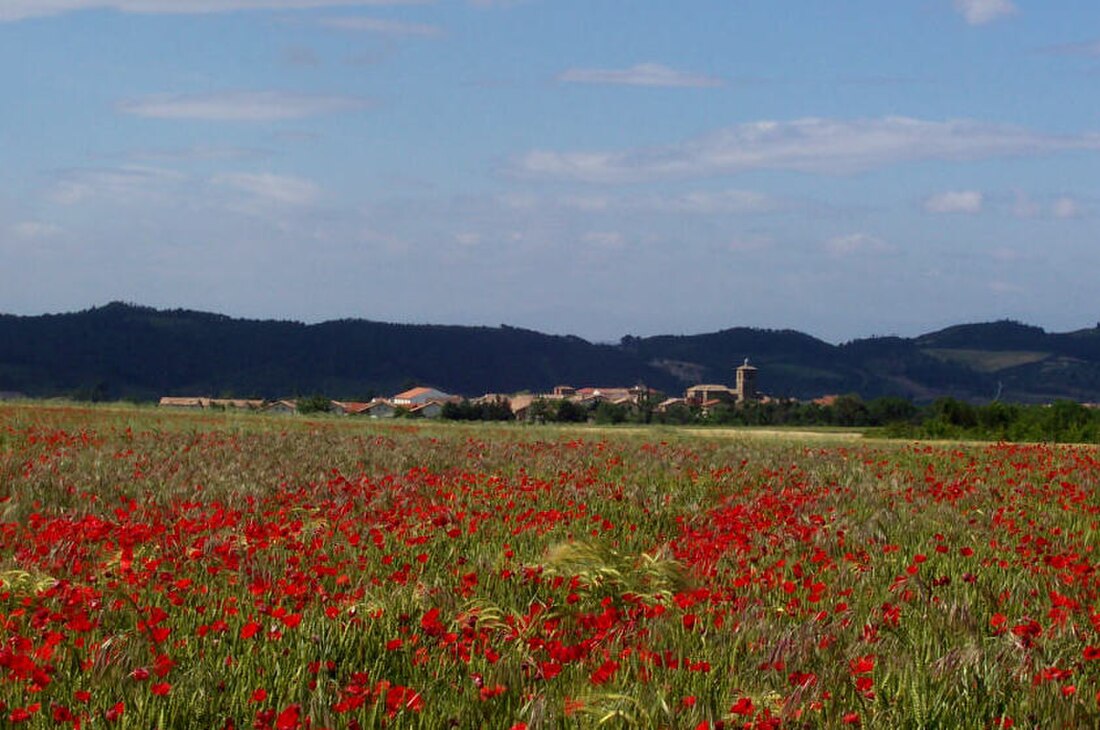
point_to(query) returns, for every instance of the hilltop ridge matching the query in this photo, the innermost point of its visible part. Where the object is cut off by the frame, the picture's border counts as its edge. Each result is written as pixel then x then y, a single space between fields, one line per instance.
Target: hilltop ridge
pixel 129 351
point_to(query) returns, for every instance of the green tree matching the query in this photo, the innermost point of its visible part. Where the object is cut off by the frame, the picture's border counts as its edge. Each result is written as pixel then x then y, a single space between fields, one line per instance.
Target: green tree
pixel 850 410
pixel 891 409
pixel 314 404
pixel 570 412
pixel 609 413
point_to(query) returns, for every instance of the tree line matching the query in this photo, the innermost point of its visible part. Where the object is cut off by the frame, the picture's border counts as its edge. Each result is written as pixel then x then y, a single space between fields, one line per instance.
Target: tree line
pixel 945 418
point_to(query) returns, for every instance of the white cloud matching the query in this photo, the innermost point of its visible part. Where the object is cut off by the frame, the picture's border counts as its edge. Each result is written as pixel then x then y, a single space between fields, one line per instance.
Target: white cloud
pixel 980 12
pixel 198 152
pixel 721 201
pixel 467 240
pixel 856 243
pixel 495 3
pixel 605 239
pixel 240 106
pixel 280 189
pixel 1065 208
pixel 749 243
pixel 30 230
pixel 955 201
pixel 586 203
pixel 642 74
pixel 127 184
pixel 383 27
pixel 814 145
pixel 702 202
pixel 11 10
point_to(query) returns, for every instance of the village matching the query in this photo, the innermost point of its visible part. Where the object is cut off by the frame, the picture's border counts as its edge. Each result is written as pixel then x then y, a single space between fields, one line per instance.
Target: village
pixel 428 402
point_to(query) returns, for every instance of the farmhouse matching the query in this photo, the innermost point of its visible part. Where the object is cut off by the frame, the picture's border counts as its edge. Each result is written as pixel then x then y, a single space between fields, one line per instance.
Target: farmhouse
pixel 377 408
pixel 428 409
pixel 417 396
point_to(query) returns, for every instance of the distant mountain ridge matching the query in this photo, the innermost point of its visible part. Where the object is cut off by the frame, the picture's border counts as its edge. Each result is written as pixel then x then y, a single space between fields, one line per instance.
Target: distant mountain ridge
pixel 129 351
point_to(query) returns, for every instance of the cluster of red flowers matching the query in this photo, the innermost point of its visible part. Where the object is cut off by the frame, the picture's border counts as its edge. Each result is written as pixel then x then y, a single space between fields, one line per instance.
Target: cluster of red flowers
pixel 769 596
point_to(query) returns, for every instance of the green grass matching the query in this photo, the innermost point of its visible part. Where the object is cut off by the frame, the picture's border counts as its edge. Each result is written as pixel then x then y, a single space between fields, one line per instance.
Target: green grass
pixel 987 361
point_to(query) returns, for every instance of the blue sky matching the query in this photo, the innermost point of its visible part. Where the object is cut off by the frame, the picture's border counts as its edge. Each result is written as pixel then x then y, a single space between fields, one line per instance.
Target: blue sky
pixel 598 168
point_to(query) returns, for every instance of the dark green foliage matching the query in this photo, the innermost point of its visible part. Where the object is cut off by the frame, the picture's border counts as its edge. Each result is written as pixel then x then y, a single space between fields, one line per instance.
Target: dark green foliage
pixel 1061 421
pixel 496 410
pixel 891 410
pixel 314 404
pixel 677 415
pixel 569 412
pixel 610 413
pixel 122 351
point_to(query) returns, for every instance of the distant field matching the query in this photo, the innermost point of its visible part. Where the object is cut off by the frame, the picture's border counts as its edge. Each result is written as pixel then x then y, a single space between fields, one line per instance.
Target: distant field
pixel 988 361
pixel 212 570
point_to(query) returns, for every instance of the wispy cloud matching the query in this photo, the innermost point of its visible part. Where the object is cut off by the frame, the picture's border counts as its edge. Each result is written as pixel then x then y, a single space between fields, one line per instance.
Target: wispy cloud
pixel 702 202
pixel 383 27
pixel 720 201
pixel 1065 208
pixel 857 243
pixel 119 185
pixel 201 152
pixel 642 74
pixel 301 57
pixel 240 106
pixel 35 230
pixel 268 187
pixel 609 240
pixel 812 145
pixel 1085 48
pixel 495 3
pixel 980 12
pixel 11 10
pixel 955 201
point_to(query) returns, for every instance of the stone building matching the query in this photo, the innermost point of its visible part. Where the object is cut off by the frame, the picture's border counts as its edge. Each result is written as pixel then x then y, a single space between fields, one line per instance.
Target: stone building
pixel 711 394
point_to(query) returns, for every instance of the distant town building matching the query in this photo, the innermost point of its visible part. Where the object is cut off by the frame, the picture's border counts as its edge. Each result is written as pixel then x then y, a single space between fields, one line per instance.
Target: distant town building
pixel 746 382
pixel 378 408
pixel 709 395
pixel 417 396
pixel 429 409
pixel 199 402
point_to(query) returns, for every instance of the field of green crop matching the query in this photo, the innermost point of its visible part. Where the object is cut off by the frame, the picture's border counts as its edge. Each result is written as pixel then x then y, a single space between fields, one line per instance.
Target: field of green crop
pixel 217 571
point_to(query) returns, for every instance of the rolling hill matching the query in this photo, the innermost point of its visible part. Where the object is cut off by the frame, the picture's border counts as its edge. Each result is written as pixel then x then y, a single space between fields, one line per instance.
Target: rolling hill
pixel 128 351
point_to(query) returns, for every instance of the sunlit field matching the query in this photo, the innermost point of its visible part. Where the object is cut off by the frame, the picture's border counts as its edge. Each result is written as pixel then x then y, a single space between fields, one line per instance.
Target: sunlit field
pixel 218 571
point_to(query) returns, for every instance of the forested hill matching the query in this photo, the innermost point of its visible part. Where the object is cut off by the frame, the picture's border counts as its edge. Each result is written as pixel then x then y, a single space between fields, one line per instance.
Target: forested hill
pixel 126 351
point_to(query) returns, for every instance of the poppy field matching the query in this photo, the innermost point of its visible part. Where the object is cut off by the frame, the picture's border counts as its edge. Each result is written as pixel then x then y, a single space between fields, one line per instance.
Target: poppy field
pixel 217 571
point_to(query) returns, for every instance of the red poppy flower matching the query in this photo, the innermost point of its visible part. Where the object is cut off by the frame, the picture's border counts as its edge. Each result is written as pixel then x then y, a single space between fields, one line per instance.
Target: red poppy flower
pixel 288 719
pixel 743 706
pixel 115 712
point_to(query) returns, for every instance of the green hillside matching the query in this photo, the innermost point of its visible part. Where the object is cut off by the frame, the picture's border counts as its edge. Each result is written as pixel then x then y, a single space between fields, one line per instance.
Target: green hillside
pixel 127 351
